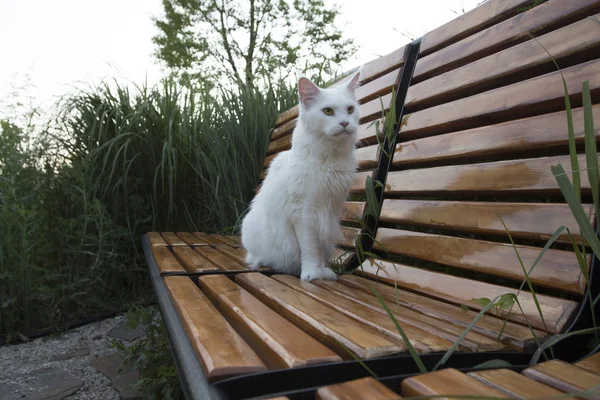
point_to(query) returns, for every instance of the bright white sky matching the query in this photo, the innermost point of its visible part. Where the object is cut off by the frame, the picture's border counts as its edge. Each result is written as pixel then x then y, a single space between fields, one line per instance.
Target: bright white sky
pixel 61 43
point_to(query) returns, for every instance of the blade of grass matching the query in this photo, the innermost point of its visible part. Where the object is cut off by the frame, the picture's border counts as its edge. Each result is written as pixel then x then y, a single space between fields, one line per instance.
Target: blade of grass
pixel 591 154
pixel 407 342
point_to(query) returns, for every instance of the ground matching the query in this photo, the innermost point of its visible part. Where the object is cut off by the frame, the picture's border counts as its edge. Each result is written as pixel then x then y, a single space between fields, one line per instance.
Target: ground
pixel 77 364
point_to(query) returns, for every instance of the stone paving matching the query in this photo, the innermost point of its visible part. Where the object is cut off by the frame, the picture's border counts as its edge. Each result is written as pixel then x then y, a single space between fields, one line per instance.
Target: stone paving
pixel 78 364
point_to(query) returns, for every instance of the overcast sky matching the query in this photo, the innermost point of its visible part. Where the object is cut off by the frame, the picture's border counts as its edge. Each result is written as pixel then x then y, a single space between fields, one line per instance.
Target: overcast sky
pixel 59 43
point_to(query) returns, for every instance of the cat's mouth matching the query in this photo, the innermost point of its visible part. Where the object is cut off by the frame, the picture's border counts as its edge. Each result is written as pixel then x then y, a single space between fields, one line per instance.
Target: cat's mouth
pixel 342 132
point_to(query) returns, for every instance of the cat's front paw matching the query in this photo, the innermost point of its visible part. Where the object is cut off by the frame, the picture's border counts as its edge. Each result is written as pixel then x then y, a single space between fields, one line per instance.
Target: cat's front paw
pixel 311 274
pixel 253 267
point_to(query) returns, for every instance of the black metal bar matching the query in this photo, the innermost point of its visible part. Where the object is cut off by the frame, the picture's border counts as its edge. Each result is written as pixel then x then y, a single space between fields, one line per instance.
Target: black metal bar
pixel 389 143
pixel 572 348
pixel 189 370
pixel 286 381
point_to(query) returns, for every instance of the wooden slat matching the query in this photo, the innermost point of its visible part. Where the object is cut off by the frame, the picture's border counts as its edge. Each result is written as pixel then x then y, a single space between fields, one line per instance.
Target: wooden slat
pixel 358 186
pixel 237 254
pixel 524 220
pixel 353 211
pixel 358 389
pixel 212 240
pixel 423 341
pixel 502 35
pixel 367 156
pixel 517 336
pixel 192 261
pixel 172 239
pixel 232 241
pixel 268 160
pixel 279 145
pixel 321 322
pixel 373 109
pixel 219 259
pixel 514 385
pixel 447 382
pixel 591 363
pixel 165 260
pixel 462 291
pixel 540 94
pixel 564 377
pixel 367 133
pixel 191 239
pixel 378 87
pixel 503 177
pixel 432 326
pixel 479 18
pixel 383 65
pixel 349 235
pixel 220 349
pixel 505 139
pixel 283 130
pixel 287 115
pixel 155 239
pixel 556 269
pixel 278 342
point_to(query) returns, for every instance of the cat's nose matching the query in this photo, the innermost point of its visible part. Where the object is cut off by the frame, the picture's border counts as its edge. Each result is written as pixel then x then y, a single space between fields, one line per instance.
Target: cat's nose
pixel 344 123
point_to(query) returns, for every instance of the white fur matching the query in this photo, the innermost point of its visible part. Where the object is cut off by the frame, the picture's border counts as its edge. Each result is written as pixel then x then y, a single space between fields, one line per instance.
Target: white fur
pixel 293 222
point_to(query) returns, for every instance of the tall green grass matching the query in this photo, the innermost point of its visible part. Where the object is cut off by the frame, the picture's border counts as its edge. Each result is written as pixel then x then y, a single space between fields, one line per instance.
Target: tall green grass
pixel 118 162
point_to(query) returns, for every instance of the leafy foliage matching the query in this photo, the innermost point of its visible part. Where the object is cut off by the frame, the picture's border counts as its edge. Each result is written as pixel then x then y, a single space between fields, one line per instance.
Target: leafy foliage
pixel 249 42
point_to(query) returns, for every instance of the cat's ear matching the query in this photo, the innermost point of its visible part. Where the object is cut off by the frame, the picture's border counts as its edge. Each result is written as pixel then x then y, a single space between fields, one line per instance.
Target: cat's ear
pixel 353 82
pixel 308 91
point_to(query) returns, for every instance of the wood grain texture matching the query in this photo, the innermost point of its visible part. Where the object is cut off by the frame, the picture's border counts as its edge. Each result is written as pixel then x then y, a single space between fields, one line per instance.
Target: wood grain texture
pixel 358 186
pixel 479 18
pixel 515 176
pixel 536 221
pixel 447 382
pixel 536 95
pixel 232 241
pixel 564 377
pixel 192 261
pixel 423 341
pixel 165 260
pixel 287 115
pixel 459 291
pixel 155 239
pixel 172 239
pixel 191 240
pixel 268 160
pixel 235 253
pixel 319 321
pixel 367 156
pixel 283 130
pixel 279 145
pixel 507 139
pixel 514 385
pixel 353 211
pixel 514 335
pixel 219 259
pixel 278 342
pixel 382 65
pixel 378 87
pixel 591 363
pixel 375 108
pixel 358 389
pixel 557 269
pixel 407 317
pixel 212 240
pixel 502 35
pixel 221 351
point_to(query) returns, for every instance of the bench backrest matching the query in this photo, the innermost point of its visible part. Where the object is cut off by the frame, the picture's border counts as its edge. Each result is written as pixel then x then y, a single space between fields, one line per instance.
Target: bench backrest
pixel 483 121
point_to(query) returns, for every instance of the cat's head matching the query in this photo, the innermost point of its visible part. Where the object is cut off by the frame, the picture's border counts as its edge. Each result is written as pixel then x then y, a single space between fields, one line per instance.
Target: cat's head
pixel 332 113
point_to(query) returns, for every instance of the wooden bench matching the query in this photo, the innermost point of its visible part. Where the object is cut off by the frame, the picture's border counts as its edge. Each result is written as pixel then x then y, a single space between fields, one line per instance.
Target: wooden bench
pixel 481 119
pixel 544 380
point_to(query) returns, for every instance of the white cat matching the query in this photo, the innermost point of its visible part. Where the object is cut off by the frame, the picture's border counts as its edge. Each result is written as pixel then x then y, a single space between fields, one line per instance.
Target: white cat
pixel 293 222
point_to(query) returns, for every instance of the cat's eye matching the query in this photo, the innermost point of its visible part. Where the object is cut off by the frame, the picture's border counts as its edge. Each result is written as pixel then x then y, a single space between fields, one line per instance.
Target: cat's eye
pixel 328 111
pixel 350 110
